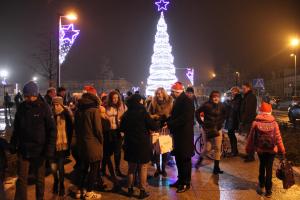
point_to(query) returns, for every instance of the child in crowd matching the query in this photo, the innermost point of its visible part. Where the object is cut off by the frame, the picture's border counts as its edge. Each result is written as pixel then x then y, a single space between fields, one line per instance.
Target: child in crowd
pixel 265 139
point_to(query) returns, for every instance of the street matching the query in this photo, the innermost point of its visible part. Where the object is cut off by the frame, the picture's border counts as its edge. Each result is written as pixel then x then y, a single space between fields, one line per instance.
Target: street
pixel 237 183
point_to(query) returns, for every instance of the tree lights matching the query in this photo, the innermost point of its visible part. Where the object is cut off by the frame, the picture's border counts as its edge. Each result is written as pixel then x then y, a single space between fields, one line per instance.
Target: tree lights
pixel 162 69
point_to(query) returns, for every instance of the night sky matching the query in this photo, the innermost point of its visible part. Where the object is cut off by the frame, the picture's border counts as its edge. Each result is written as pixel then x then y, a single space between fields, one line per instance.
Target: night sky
pixel 206 34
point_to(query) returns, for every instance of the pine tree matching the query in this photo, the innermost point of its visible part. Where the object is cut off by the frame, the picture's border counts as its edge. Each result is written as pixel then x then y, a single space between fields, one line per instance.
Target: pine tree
pixel 162 69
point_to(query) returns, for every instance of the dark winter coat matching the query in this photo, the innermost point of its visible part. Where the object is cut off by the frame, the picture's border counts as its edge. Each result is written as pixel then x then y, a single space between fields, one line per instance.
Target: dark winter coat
pixel 34 133
pixel 136 124
pixel 248 108
pixel 181 124
pixel 88 128
pixel 3 161
pixel 214 117
pixel 233 113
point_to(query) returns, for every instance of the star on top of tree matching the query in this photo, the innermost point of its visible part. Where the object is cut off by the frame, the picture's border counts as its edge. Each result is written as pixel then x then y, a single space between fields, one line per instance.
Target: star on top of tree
pixel 162 5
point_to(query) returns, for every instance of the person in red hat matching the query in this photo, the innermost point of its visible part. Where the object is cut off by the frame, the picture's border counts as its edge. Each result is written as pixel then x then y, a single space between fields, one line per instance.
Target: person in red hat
pixel 265 139
pixel 181 125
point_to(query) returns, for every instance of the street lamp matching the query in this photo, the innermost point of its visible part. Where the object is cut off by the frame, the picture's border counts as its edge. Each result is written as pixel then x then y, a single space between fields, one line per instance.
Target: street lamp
pixel 295 78
pixel 237 77
pixel 34 79
pixel 294 42
pixel 214 75
pixel 70 17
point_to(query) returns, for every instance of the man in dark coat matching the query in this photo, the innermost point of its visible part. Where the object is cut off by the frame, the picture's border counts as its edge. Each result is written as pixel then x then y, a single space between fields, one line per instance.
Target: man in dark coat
pixel 248 113
pixel 34 139
pixel 136 124
pixel 89 137
pixel 51 92
pixel 233 118
pixel 181 125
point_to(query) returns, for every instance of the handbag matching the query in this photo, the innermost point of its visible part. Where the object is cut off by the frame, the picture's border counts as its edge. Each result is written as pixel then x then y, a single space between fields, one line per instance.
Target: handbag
pixel 285 173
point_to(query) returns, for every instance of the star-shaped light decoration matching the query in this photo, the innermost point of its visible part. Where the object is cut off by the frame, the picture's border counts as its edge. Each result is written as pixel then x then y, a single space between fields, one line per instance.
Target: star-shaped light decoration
pixel 69 34
pixel 162 5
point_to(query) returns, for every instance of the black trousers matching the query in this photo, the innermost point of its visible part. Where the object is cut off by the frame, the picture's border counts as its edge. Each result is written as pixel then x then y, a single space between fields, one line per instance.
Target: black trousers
pixel 265 170
pixel 233 141
pixel 2 193
pixel 38 164
pixel 156 159
pixel 184 167
pixel 117 142
pixel 91 171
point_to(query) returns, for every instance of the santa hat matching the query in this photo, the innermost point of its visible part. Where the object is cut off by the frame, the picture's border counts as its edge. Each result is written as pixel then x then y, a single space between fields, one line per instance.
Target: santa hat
pixel 90 89
pixel 265 108
pixel 177 87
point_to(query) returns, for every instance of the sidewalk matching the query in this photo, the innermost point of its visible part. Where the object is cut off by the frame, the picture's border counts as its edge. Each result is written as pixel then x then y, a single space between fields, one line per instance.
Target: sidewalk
pixel 237 183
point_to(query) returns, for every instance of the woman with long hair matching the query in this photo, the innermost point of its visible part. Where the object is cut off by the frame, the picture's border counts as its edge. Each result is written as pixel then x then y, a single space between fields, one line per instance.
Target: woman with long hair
pixel 115 109
pixel 160 109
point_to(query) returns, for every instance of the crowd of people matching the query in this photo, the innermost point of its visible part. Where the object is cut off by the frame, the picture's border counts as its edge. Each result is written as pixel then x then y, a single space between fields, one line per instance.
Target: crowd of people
pixel 96 128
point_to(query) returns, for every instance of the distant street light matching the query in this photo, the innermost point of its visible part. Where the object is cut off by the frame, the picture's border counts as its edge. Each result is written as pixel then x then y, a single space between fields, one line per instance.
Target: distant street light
pixel 70 17
pixel 294 42
pixel 34 79
pixel 214 75
pixel 295 78
pixel 237 77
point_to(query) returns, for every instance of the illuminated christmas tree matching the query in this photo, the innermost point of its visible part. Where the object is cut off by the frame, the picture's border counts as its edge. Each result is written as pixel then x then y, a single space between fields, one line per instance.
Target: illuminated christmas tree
pixel 162 69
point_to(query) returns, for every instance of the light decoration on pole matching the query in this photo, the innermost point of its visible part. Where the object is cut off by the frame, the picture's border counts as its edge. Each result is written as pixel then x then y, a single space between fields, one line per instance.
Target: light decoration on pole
pixel 162 70
pixel 67 37
pixel 190 75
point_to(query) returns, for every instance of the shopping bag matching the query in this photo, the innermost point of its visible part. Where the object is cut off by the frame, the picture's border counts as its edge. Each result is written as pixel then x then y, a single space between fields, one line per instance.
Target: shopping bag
pixel 165 144
pixel 154 137
pixel 286 174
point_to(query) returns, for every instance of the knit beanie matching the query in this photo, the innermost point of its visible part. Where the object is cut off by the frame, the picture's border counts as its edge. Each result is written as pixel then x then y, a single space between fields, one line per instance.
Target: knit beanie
pixel 31 89
pixel 58 100
pixel 177 87
pixel 265 108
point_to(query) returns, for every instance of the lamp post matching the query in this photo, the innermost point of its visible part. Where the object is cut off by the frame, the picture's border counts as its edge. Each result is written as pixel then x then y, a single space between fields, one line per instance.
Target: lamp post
pixel 237 77
pixel 70 17
pixel 294 43
pixel 4 75
pixel 295 77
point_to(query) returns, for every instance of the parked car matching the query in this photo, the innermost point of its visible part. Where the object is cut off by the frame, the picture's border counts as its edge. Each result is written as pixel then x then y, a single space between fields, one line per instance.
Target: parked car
pixel 294 112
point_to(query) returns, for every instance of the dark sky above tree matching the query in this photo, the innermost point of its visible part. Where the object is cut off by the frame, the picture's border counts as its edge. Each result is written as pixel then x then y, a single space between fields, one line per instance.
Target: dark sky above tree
pixel 206 34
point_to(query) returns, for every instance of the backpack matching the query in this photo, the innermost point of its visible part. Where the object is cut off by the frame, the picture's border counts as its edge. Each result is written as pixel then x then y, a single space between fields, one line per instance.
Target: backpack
pixel 265 136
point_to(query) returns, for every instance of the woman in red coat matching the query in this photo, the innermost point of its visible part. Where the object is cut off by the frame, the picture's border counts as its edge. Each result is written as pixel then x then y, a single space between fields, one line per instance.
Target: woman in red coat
pixel 265 139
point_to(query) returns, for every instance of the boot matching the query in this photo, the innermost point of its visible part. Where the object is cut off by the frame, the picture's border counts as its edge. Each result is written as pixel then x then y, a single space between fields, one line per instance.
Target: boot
pixel 233 144
pixel 143 194
pixel 130 192
pixel 61 189
pixel 55 186
pixel 217 169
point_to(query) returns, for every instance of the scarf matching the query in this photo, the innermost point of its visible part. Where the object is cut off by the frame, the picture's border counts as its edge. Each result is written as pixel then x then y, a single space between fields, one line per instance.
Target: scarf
pixel 61 140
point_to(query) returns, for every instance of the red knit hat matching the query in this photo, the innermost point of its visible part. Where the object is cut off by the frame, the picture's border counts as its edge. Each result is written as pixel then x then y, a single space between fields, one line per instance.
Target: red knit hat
pixel 90 89
pixel 265 108
pixel 177 87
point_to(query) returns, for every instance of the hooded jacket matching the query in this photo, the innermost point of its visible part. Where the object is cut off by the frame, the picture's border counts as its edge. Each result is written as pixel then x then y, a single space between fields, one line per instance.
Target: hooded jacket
pixel 264 122
pixel 88 128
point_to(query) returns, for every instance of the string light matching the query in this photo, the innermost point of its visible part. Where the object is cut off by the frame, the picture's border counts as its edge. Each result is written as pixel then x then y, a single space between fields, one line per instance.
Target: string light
pixel 190 75
pixel 162 69
pixel 67 37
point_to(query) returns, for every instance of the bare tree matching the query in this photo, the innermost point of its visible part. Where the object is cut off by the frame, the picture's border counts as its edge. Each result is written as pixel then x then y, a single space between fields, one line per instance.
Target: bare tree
pixel 44 61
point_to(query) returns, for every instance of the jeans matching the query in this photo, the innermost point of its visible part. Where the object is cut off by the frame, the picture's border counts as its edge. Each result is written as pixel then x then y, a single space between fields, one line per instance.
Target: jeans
pixel 92 172
pixel 214 143
pixel 142 170
pixel 184 167
pixel 164 158
pixel 58 169
pixel 38 164
pixel 265 170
